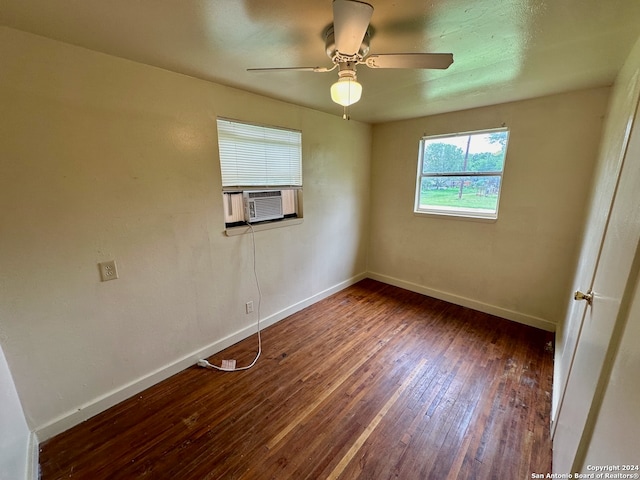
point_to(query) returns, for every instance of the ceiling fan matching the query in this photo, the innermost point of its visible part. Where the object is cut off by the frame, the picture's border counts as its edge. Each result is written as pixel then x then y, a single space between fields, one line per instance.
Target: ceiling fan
pixel 347 45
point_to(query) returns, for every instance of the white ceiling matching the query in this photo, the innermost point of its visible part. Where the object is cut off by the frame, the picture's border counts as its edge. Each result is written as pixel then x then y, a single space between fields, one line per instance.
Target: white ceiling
pixel 504 50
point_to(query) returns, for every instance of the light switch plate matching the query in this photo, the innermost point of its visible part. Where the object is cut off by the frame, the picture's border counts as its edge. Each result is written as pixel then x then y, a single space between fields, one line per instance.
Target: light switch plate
pixel 108 270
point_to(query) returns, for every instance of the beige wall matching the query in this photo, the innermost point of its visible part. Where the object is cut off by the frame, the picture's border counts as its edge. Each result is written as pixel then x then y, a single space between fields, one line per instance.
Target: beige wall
pixel 103 158
pixel 519 267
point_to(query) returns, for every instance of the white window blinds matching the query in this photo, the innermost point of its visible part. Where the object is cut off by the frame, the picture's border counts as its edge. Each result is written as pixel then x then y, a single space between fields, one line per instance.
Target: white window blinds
pixel 258 156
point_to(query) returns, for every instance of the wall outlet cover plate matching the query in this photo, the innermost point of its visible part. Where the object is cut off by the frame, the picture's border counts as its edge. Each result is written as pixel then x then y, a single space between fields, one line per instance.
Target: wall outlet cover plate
pixel 108 270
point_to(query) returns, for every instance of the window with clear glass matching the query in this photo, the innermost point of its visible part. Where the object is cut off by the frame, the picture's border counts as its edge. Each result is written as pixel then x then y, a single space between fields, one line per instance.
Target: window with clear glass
pixel 461 174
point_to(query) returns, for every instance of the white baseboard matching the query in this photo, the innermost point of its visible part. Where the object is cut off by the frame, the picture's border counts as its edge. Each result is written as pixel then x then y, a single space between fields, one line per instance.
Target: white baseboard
pixel 108 400
pixel 467 302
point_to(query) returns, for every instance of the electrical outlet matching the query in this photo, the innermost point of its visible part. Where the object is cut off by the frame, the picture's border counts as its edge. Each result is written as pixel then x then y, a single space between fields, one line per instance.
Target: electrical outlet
pixel 108 270
pixel 249 307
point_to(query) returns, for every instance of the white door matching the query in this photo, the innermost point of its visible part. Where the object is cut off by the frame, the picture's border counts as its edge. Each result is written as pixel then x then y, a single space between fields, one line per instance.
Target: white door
pixel 613 235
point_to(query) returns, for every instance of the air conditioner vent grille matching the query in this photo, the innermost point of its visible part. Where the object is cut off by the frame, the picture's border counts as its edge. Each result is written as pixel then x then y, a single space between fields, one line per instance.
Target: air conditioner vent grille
pixel 274 193
pixel 262 206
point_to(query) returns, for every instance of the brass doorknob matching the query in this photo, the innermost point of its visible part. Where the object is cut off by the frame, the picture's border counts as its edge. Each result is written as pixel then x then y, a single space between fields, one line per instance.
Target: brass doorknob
pixel 588 297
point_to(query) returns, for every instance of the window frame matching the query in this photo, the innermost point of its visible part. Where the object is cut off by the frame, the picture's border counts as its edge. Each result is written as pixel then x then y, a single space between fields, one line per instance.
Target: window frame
pixel 264 148
pixel 291 187
pixel 458 212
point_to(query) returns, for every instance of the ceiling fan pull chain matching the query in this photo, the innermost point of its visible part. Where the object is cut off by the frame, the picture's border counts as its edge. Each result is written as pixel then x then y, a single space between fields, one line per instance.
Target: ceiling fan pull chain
pixel 345 114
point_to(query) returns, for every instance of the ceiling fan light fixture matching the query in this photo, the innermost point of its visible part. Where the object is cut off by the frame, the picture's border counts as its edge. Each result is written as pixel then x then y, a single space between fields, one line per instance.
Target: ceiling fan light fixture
pixel 346 91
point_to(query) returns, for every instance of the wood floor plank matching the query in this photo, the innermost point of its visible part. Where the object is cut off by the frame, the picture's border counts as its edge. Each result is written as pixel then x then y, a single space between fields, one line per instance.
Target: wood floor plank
pixel 374 382
pixel 355 447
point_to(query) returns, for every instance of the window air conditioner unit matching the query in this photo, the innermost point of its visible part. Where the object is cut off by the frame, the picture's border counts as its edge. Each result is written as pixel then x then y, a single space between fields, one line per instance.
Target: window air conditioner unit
pixel 262 205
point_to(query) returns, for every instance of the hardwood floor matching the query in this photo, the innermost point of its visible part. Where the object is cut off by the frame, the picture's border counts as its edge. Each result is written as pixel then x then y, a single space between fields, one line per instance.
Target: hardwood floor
pixel 374 382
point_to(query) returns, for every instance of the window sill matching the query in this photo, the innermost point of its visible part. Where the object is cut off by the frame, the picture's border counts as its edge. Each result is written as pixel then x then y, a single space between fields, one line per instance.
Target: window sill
pixel 242 229
pixel 458 216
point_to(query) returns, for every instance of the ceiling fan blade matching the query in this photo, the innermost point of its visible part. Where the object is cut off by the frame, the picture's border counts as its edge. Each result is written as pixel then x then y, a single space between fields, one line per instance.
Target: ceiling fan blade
pixel 410 60
pixel 350 22
pixel 292 69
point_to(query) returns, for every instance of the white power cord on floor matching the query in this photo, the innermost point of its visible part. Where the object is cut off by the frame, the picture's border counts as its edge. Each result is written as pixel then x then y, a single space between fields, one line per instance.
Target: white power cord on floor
pixel 203 362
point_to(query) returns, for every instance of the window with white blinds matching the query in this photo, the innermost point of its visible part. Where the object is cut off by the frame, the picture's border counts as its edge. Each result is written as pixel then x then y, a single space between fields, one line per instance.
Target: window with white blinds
pixel 259 156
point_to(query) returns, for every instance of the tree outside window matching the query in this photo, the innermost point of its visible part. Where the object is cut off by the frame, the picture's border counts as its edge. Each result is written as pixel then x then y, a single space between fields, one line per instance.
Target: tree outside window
pixel 461 174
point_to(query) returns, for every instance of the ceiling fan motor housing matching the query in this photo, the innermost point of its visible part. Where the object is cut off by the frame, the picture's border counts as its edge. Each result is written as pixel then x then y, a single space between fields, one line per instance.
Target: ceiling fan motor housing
pixel 337 57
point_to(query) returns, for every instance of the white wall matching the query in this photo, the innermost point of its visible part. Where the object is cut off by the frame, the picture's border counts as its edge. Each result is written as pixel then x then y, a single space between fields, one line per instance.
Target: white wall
pixel 15 437
pixel 520 266
pixel 103 158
